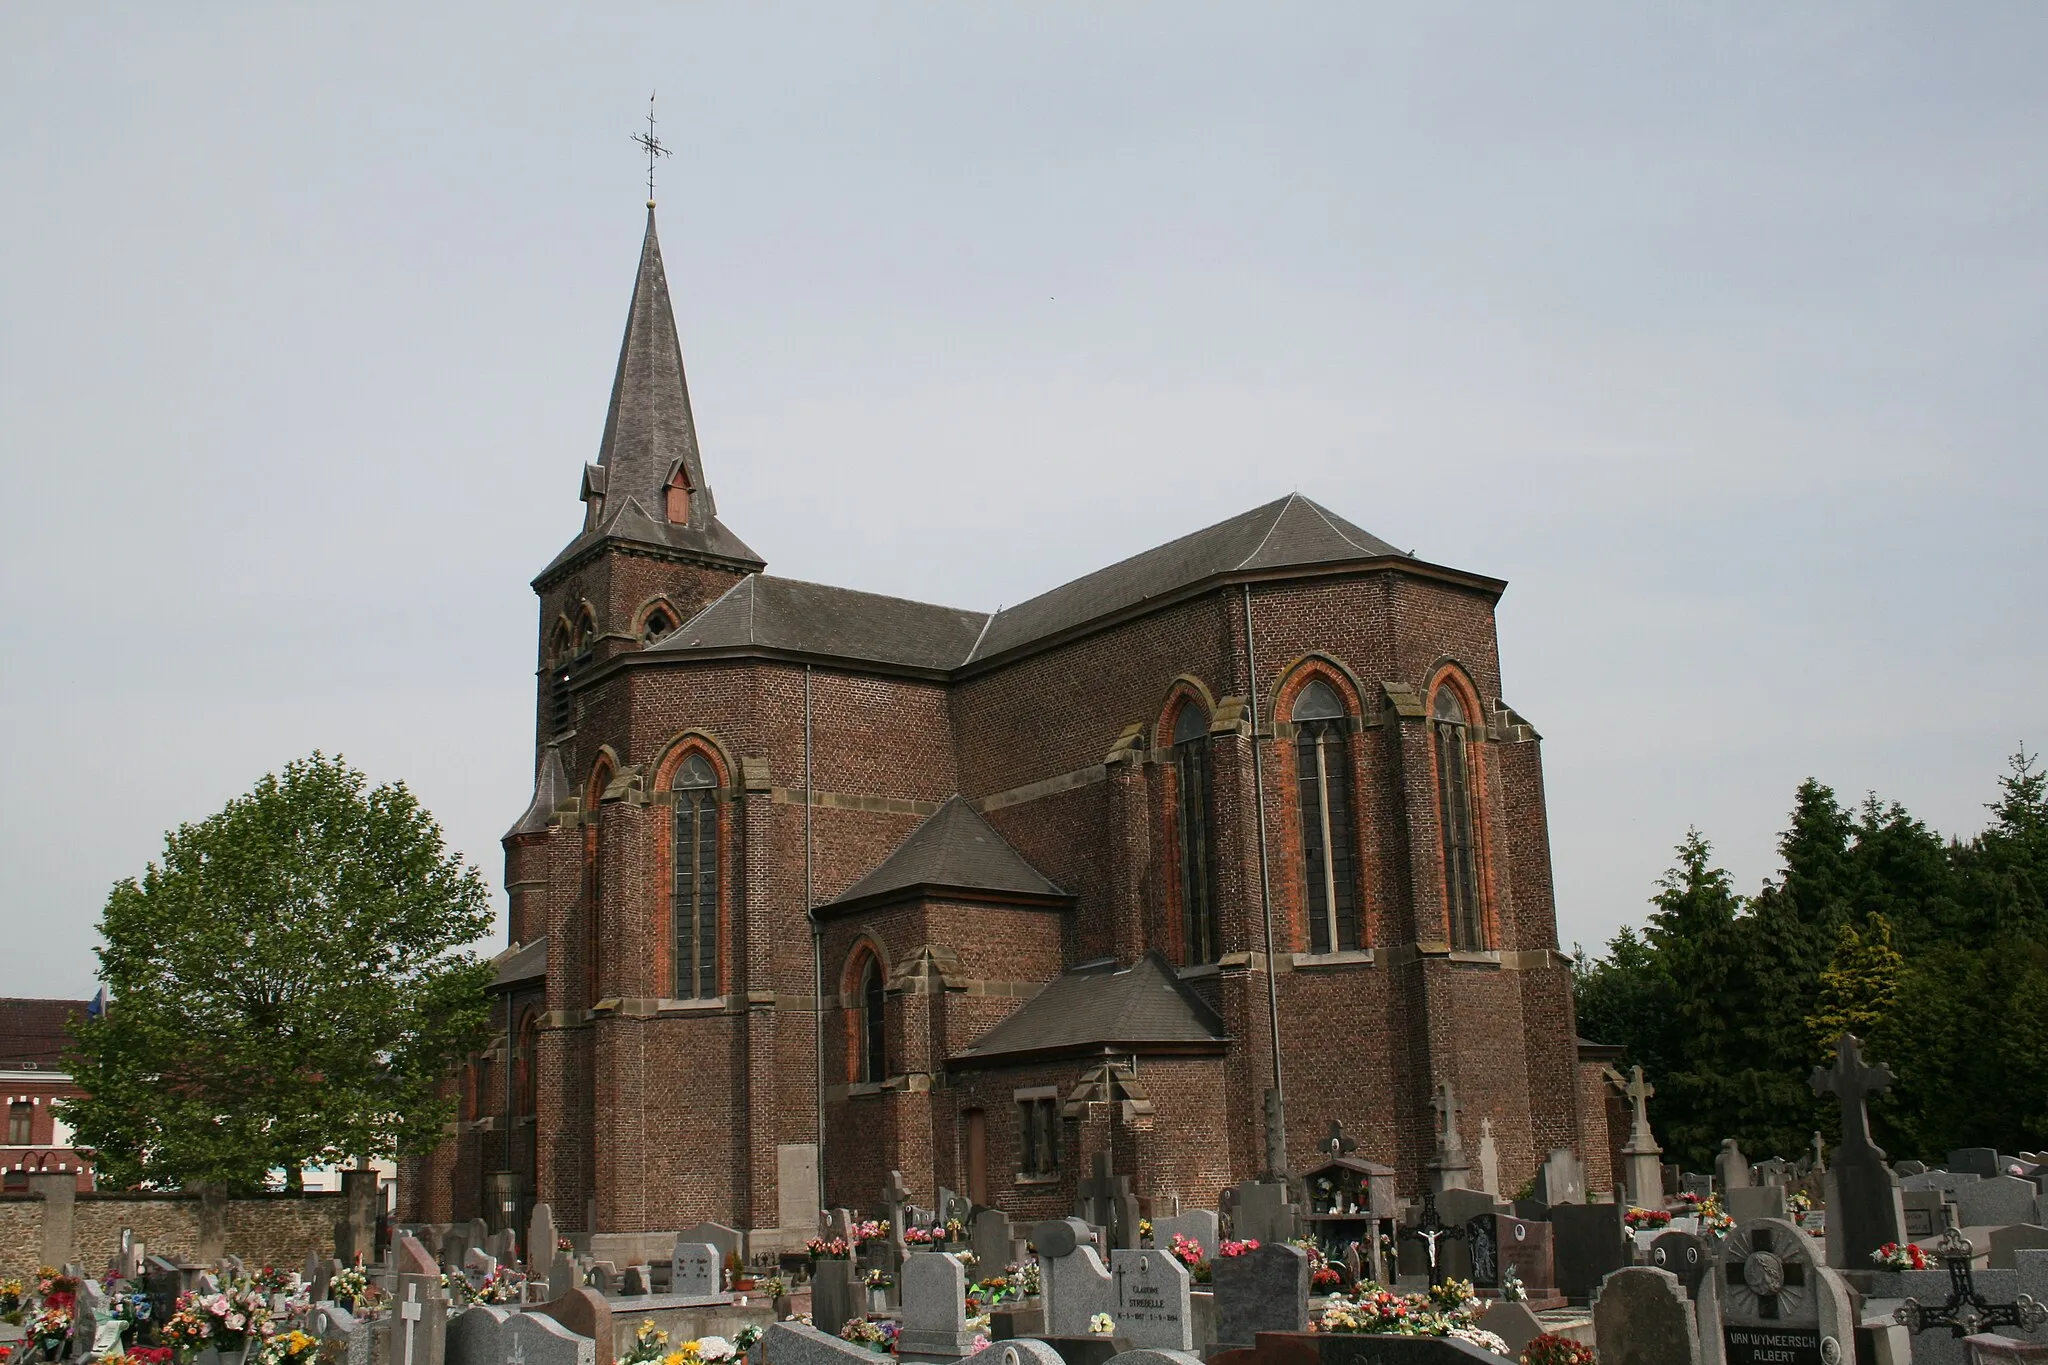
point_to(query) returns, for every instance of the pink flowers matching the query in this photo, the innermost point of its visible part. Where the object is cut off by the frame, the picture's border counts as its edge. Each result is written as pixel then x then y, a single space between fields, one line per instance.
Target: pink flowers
pixel 1230 1248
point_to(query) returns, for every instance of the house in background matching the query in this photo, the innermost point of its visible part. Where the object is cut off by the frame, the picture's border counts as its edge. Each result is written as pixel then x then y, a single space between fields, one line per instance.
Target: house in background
pixel 33 1037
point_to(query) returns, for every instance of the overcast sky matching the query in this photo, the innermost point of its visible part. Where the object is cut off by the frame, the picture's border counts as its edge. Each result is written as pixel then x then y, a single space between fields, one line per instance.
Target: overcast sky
pixel 1717 331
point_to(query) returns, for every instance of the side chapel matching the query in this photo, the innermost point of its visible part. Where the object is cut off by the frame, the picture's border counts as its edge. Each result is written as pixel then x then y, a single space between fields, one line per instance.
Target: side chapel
pixel 817 884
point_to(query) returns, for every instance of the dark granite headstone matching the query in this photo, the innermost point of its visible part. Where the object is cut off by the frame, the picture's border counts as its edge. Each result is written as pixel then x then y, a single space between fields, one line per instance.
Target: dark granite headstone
pixel 1589 1243
pixel 1642 1317
pixel 1265 1290
pixel 1684 1254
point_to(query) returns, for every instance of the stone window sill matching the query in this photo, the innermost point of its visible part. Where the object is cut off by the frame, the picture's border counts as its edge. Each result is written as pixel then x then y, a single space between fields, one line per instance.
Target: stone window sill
pixel 1201 969
pixel 1485 959
pixel 1052 1179
pixel 713 1005
pixel 1350 957
pixel 867 1090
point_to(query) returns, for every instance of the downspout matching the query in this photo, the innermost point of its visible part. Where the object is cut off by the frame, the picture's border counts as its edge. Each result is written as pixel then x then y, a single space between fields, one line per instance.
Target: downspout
pixel 817 947
pixel 1251 661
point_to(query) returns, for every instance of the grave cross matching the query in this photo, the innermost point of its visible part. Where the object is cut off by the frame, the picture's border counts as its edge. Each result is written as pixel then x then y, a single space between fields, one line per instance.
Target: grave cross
pixel 1640 1093
pixel 1968 1312
pixel 1336 1144
pixel 1853 1082
pixel 1446 1106
pixel 411 1311
pixel 1430 1229
pixel 894 1196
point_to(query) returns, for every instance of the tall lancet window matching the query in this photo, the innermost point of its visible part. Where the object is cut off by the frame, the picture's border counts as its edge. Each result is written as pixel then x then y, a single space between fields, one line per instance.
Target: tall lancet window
pixel 695 901
pixel 1330 864
pixel 874 1063
pixel 1197 852
pixel 678 495
pixel 1454 795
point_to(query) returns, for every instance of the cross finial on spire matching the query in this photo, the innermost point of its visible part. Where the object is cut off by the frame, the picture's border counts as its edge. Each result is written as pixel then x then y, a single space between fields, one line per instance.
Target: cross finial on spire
pixel 653 146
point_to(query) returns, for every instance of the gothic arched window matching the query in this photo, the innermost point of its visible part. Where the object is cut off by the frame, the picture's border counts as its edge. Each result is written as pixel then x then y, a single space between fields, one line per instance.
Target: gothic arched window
pixel 1330 864
pixel 586 632
pixel 1197 852
pixel 1454 797
pixel 874 1064
pixel 593 884
pixel 526 1067
pixel 676 497
pixel 694 904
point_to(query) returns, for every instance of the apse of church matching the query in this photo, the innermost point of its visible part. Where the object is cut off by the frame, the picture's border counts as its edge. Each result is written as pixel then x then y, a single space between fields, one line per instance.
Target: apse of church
pixel 816 884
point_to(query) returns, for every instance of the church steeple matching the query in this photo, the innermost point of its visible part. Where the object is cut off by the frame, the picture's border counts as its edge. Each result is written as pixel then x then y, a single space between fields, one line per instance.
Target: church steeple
pixel 647 485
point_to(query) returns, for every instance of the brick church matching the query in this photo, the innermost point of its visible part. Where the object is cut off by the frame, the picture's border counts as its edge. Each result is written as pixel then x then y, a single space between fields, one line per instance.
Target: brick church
pixel 817 884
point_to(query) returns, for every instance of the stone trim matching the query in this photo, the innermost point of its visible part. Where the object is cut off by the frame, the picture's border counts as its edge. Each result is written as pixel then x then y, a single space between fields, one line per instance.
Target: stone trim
pixel 1349 957
pixel 883 805
pixel 1064 782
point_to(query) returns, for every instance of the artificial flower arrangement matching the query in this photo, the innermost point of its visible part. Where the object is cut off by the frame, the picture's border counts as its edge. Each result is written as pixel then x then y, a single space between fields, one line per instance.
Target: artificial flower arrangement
pixel 500 1286
pixel 744 1339
pixel 10 1301
pixel 1188 1252
pixel 828 1249
pixel 1145 1231
pixel 271 1280
pixel 775 1286
pixel 1101 1325
pixel 879 1337
pixel 1323 1277
pixel 923 1237
pixel 1241 1248
pixel 289 1348
pixel 1450 1309
pixel 1901 1256
pixel 1512 1290
pixel 651 1347
pixel 1799 1201
pixel 564 1247
pixel 351 1287
pixel 226 1321
pixel 143 1355
pixel 1712 1218
pixel 1551 1349
pixel 967 1257
pixel 872 1230
pixel 1642 1220
pixel 51 1328
pixel 876 1279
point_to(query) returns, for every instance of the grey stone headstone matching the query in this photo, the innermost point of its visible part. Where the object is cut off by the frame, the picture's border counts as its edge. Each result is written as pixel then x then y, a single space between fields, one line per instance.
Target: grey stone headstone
pixel 637 1282
pixel 1513 1323
pixel 541 1238
pixel 1057 1237
pixel 1920 1212
pixel 1076 1285
pixel 1642 1317
pixel 328 1320
pixel 536 1339
pixel 1154 1304
pixel 1685 1255
pixel 2007 1242
pixel 563 1274
pixel 1264 1290
pixel 729 1241
pixel 1562 1178
pixel 1265 1212
pixel 696 1271
pixel 479 1264
pixel 1731 1167
pixel 1774 1171
pixel 1909 1167
pixel 1982 1161
pixel 1748 1204
pixel 934 1308
pixel 835 1294
pixel 995 1241
pixel 1998 1200
pixel 475 1336
pixel 1950 1181
pixel 419 1321
pixel 1769 1297
pixel 792 1343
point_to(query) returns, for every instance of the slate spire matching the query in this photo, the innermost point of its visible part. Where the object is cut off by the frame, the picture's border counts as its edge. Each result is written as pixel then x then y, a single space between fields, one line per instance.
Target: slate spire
pixel 650 436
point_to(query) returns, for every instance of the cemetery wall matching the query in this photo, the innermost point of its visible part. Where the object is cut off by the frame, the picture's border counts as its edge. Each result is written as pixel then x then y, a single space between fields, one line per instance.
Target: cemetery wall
pixel 266 1230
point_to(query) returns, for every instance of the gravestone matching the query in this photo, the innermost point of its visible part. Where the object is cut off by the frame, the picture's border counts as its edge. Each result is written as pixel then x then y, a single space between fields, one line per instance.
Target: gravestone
pixel 729 1241
pixel 419 1320
pixel 1988 1348
pixel 1104 1199
pixel 934 1309
pixel 1921 1211
pixel 1489 1159
pixel 1643 1174
pixel 1264 1211
pixel 1513 1323
pixel 1562 1178
pixel 1864 1210
pixel 563 1275
pixel 1770 1301
pixel 1642 1317
pixel 1979 1161
pixel 1499 1242
pixel 1909 1167
pixel 1774 1171
pixel 637 1282
pixel 1448 1168
pixel 541 1238
pixel 1701 1185
pixel 695 1271
pixel 1684 1254
pixel 539 1338
pixel 326 1320
pixel 1589 1242
pixel 836 1293
pixel 475 1336
pixel 2007 1242
pixel 954 1208
pixel 995 1242
pixel 582 1313
pixel 1731 1167
pixel 1997 1201
pixel 1264 1290
pixel 1199 1226
pixel 1751 1203
pixel 1154 1304
pixel 1073 1279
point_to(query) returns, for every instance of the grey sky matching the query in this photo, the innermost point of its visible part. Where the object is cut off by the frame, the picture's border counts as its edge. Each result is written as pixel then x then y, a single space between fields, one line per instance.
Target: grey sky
pixel 1716 330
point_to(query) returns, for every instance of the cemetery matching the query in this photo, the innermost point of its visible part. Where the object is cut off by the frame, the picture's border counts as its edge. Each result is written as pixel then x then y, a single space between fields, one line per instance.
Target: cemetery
pixel 1837 1256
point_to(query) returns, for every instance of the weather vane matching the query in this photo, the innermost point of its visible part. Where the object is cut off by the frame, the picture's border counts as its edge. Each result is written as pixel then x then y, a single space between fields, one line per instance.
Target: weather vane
pixel 653 145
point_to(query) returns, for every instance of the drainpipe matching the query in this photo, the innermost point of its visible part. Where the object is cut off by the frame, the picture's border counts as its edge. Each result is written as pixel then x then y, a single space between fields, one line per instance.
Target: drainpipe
pixel 1251 661
pixel 817 947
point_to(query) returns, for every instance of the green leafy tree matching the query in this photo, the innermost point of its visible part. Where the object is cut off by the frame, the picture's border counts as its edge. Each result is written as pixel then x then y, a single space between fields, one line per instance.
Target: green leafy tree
pixel 1858 987
pixel 288 987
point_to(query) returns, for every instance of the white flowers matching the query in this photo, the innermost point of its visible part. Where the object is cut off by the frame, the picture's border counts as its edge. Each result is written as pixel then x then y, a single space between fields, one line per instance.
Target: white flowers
pixel 715 1348
pixel 1101 1325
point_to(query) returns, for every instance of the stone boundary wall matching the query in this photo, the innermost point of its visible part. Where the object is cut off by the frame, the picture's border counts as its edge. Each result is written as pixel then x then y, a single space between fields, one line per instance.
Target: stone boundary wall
pixel 263 1230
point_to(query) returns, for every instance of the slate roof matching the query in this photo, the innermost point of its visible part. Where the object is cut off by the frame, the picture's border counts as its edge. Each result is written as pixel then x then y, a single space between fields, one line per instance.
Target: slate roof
pixel 649 432
pixel 33 1033
pixel 1101 1005
pixel 523 962
pixel 763 611
pixel 550 789
pixel 811 618
pixel 954 849
pixel 1292 531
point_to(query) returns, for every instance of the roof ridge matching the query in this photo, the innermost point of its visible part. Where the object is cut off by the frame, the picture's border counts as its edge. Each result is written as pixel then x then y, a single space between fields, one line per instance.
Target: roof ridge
pixel 1278 517
pixel 982 634
pixel 863 592
pixel 1317 508
pixel 712 605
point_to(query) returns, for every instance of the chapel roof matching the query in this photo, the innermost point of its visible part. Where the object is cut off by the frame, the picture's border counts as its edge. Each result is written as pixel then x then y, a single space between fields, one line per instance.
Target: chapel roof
pixel 1100 1005
pixel 953 849
pixel 766 612
pixel 762 611
pixel 521 962
pixel 550 789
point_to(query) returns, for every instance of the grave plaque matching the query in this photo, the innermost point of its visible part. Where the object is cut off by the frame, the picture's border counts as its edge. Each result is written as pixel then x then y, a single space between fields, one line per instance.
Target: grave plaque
pixel 535 1339
pixel 1684 1254
pixel 1264 1290
pixel 934 1309
pixel 1642 1317
pixel 1590 1242
pixel 1154 1306
pixel 695 1270
pixel 1774 1303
